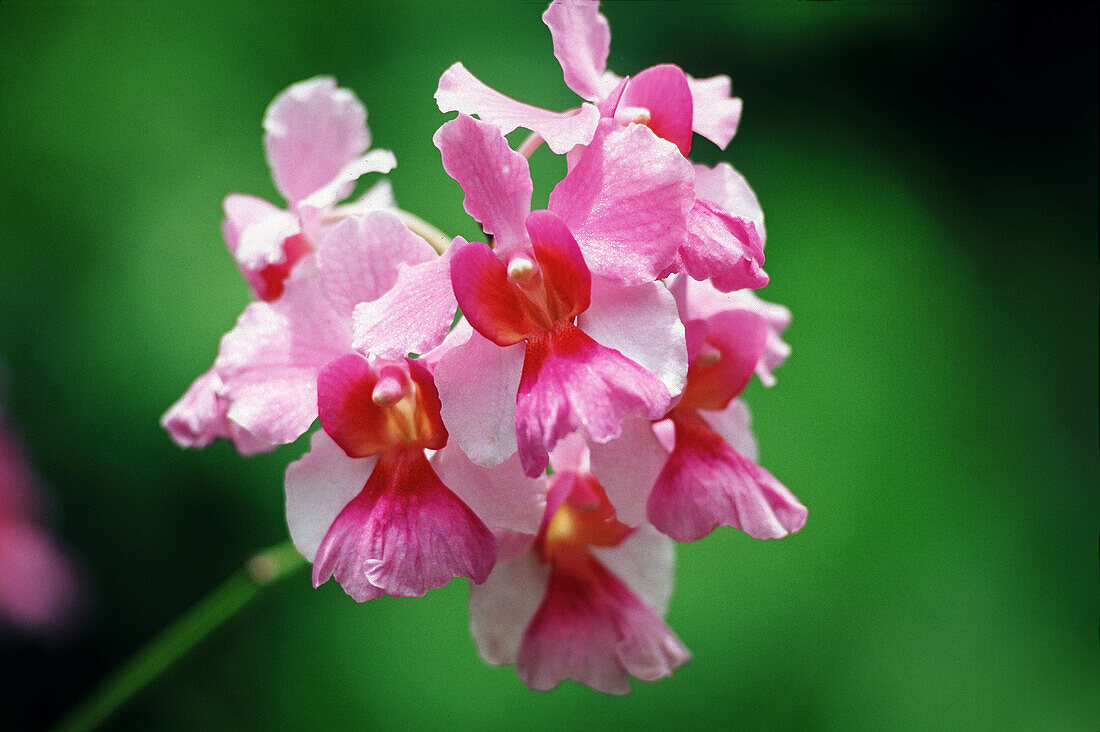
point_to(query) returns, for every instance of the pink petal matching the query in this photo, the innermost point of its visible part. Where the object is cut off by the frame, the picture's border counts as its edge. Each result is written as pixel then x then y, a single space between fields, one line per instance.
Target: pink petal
pixel 706 484
pixel 461 91
pixel 502 495
pixel 628 466
pixel 266 243
pixel 404 534
pixel 199 418
pixel 732 424
pixel 312 130
pixel 502 607
pixel 495 178
pixel 269 361
pixel 626 201
pixel 414 315
pixel 726 187
pixel 360 257
pixel 716 112
pixel 734 344
pixel 318 486
pixel 663 91
pixel 593 629
pixel 565 275
pixel 571 382
pixel 641 322
pixel 571 454
pixel 722 248
pixel 698 301
pixel 480 412
pixel 582 39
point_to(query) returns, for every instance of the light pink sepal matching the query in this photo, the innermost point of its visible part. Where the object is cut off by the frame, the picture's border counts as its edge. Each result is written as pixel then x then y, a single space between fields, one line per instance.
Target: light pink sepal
pixel 722 248
pixel 717 114
pixel 311 131
pixel 495 178
pixel 582 39
pixel 199 418
pixel 461 91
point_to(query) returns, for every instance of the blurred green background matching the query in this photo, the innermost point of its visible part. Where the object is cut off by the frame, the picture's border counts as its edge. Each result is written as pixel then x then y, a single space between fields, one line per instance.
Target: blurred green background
pixel 929 176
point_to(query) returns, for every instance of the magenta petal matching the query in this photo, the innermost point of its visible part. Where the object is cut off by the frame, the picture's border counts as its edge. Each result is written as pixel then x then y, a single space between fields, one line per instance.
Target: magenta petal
pixel 312 130
pixel 494 177
pixel 717 114
pixel 582 39
pixel 404 534
pixel 414 315
pixel 39 584
pixel 663 91
pixel 494 306
pixel 360 257
pixel 722 248
pixel 565 275
pixel 570 382
pixel 593 629
pixel 480 413
pixel 461 91
pixel 706 484
pixel 626 201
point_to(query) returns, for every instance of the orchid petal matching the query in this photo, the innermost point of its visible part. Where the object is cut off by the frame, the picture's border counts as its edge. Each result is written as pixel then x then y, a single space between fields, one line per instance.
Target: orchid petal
pixel 461 91
pixel 312 130
pixel 664 93
pixel 582 40
pixel 360 257
pixel 404 534
pixel 722 248
pixel 502 495
pixel 626 201
pixel 495 178
pixel 642 323
pixel 199 418
pixel 318 486
pixel 501 608
pixel 717 114
pixel 726 187
pixel 628 466
pixel 477 382
pixel 644 562
pixel 706 484
pixel 571 382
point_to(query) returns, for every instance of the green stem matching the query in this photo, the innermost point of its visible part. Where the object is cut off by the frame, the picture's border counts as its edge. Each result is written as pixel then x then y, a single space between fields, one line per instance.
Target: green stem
pixel 151 660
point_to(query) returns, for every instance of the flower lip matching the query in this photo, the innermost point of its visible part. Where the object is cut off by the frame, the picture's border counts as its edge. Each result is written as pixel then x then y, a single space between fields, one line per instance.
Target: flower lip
pixel 370 408
pixel 578 516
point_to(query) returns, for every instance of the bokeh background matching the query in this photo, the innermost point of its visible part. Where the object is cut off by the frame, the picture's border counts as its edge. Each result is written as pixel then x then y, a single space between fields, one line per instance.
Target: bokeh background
pixel 929 176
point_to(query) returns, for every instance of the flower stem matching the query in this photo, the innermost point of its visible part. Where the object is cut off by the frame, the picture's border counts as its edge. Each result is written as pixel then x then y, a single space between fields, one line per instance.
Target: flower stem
pixel 152 659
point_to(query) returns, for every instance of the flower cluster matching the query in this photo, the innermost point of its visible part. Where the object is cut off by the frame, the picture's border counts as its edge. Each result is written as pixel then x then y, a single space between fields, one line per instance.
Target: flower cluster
pixel 578 415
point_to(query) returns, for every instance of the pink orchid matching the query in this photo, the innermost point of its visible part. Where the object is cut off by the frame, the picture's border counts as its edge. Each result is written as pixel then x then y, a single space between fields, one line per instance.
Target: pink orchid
pixel 38 581
pixel 315 136
pixel 573 355
pixel 584 600
pixel 262 389
pixel 710 477
pixel 367 506
pixel 721 244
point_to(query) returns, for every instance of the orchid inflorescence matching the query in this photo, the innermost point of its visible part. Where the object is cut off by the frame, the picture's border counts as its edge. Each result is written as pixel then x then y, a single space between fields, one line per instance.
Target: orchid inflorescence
pixel 577 417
